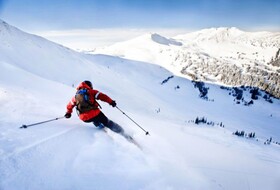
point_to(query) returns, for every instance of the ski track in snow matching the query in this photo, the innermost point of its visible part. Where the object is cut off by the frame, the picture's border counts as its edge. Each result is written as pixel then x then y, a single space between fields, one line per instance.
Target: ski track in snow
pixel 19 164
pixel 16 165
pixel 38 143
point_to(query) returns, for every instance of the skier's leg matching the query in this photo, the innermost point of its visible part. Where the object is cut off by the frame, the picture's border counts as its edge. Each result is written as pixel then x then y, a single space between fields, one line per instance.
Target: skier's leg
pixel 98 124
pixel 99 121
pixel 103 120
pixel 118 129
pixel 115 127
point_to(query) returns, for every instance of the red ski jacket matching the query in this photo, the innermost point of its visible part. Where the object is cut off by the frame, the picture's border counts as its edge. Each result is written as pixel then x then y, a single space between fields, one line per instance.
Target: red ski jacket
pixel 93 94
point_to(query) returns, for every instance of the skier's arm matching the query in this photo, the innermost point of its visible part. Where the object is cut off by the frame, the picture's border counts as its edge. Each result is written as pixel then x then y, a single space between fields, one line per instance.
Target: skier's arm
pixel 71 105
pixel 103 97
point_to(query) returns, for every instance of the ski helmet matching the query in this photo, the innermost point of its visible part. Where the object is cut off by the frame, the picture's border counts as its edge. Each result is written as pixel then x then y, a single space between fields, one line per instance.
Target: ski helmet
pixel 88 83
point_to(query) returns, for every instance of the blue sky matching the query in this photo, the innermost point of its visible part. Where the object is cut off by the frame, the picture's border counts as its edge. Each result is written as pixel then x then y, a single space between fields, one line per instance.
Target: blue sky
pixel 87 24
pixel 196 14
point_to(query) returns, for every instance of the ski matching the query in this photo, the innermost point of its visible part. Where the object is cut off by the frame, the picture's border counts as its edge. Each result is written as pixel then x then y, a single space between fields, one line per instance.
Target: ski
pixel 126 136
pixel 131 140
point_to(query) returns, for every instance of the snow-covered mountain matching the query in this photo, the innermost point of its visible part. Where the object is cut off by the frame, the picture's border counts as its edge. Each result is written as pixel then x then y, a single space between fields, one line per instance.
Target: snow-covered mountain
pixel 191 145
pixel 226 56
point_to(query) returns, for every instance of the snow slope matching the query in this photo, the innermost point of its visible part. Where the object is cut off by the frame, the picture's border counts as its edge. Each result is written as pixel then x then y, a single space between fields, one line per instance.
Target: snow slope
pixel 36 79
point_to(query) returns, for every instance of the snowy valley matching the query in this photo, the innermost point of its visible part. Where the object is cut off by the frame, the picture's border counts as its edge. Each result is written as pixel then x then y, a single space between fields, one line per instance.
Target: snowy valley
pixel 196 139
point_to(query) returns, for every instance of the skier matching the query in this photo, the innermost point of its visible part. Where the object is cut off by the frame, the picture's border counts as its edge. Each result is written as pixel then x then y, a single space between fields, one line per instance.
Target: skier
pixel 88 108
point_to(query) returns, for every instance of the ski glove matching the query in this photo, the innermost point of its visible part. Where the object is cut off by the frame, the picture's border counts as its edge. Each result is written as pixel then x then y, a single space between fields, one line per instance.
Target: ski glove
pixel 113 103
pixel 67 115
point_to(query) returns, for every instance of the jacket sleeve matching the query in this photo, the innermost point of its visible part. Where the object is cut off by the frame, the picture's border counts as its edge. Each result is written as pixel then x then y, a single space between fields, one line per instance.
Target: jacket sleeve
pixel 103 97
pixel 71 105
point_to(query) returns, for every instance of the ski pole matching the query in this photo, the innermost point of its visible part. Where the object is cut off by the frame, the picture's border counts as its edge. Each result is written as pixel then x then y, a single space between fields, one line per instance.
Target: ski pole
pixel 25 126
pixel 146 132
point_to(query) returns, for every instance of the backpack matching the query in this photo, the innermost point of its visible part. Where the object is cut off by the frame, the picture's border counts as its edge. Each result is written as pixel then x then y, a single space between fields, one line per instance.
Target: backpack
pixel 83 103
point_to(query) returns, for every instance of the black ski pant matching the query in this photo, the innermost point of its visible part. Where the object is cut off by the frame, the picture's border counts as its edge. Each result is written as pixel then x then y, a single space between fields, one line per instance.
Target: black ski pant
pixel 102 121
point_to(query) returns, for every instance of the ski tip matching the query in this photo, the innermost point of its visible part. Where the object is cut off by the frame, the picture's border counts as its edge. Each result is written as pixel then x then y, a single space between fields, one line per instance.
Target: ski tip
pixel 147 133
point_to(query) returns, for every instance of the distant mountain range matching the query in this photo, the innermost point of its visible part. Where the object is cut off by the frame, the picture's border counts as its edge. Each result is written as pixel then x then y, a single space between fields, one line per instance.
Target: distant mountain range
pixel 227 56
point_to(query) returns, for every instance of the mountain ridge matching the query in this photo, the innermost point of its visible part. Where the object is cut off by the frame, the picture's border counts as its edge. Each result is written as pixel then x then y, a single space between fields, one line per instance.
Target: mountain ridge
pixel 223 34
pixel 219 55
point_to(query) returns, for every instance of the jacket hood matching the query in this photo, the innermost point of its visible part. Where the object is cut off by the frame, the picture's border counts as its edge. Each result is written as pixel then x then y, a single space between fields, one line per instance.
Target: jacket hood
pixel 83 85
